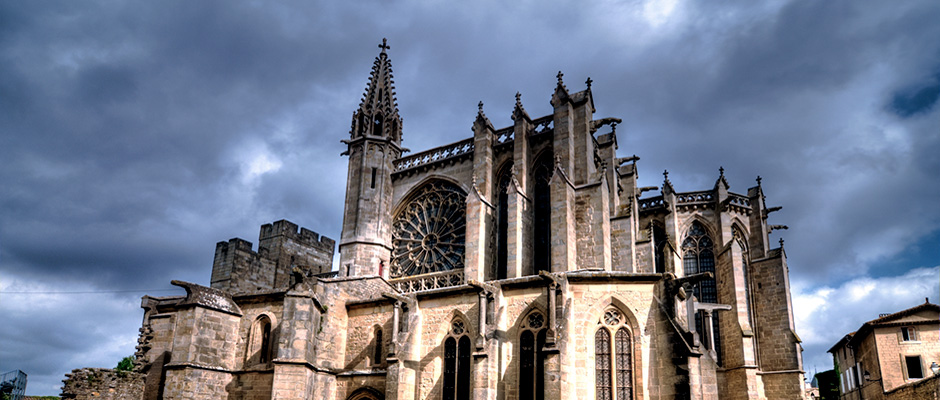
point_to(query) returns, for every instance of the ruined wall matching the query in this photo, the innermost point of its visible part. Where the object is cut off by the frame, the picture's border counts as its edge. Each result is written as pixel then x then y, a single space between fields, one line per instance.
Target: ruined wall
pixel 103 384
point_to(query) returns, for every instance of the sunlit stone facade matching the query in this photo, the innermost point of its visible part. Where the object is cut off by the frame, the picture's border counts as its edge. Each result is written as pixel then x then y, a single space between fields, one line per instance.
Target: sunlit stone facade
pixel 522 263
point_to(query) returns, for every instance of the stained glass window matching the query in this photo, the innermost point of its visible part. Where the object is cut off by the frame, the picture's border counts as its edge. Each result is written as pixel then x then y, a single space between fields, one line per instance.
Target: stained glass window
pixel 502 223
pixel 531 357
pixel 698 256
pixel 542 233
pixel 613 371
pixel 602 364
pixel 457 363
pixel 428 234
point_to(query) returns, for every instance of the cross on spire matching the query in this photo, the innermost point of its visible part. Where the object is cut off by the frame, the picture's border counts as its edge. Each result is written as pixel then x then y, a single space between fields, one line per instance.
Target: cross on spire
pixel 480 106
pixel 758 180
pixel 559 76
pixel 384 46
pixel 588 82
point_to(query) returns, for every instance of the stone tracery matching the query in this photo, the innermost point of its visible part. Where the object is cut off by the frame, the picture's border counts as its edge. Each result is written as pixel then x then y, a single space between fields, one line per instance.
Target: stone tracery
pixel 428 234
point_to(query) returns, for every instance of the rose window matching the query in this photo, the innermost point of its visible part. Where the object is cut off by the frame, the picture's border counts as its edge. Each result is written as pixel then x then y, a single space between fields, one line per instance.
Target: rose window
pixel 428 234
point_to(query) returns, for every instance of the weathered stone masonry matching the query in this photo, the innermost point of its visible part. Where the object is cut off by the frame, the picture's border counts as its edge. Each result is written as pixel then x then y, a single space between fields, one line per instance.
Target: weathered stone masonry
pixel 522 263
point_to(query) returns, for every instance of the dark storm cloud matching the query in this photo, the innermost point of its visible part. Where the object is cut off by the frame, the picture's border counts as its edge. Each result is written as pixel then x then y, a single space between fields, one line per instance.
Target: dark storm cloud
pixel 135 136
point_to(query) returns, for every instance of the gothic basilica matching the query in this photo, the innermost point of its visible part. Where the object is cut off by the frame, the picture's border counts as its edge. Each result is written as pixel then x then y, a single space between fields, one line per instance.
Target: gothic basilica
pixel 522 263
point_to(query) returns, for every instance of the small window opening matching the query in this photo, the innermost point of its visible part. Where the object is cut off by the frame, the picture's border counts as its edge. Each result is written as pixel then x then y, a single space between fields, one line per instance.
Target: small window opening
pixel 914 370
pixel 377 356
pixel 907 333
pixel 373 177
pixel 265 342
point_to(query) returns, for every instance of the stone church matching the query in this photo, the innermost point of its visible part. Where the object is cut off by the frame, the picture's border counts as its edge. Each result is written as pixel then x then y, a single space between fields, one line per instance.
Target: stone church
pixel 522 263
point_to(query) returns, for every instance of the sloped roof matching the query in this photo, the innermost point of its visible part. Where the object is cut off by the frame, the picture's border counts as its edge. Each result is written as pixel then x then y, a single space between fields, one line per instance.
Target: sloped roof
pixel 887 320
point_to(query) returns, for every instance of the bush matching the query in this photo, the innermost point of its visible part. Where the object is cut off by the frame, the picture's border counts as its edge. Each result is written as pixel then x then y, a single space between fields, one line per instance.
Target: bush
pixel 126 364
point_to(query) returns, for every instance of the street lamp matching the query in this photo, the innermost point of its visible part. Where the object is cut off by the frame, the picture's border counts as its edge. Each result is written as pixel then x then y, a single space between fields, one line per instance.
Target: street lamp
pixel 935 368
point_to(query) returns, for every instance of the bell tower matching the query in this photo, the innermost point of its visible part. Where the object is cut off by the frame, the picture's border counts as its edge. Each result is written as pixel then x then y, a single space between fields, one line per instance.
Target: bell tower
pixel 374 142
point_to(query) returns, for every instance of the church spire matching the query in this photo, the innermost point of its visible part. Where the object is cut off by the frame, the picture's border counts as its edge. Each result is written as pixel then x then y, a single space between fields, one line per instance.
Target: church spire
pixel 377 115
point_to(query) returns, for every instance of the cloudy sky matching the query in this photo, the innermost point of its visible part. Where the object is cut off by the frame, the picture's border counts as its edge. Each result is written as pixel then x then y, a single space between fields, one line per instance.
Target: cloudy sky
pixel 135 136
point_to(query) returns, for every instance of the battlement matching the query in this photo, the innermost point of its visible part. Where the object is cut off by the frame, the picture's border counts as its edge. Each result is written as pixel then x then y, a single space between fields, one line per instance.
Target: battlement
pixel 283 246
pixel 294 232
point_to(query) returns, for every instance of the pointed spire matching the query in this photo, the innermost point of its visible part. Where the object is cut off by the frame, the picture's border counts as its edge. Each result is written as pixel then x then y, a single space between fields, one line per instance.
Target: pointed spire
pixel 666 184
pixel 721 178
pixel 481 119
pixel 378 110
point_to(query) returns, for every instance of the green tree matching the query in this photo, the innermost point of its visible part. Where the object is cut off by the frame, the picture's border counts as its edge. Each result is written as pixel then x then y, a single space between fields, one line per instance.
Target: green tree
pixel 126 364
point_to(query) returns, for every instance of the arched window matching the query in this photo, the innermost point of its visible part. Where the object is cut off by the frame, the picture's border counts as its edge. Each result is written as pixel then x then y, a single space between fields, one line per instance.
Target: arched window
pixel 457 362
pixel 613 361
pixel 428 234
pixel 698 256
pixel 377 357
pixel 542 214
pixel 260 341
pixel 659 239
pixel 531 358
pixel 502 222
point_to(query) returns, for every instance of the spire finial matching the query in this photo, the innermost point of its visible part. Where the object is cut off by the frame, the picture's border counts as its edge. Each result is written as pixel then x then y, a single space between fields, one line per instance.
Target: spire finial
pixel 480 106
pixel 588 82
pixel 518 98
pixel 384 46
pixel 559 76
pixel 781 243
pixel 721 171
pixel 666 174
pixel 758 180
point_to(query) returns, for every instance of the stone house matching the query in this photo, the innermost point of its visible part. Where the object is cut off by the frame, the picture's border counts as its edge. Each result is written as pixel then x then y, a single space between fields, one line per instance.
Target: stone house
pixel 888 352
pixel 522 263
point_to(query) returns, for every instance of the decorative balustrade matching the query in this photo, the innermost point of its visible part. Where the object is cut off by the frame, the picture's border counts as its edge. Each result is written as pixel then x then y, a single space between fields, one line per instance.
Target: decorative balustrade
pixel 434 155
pixel 695 197
pixel 651 203
pixel 739 200
pixel 505 135
pixel 434 280
pixel 543 125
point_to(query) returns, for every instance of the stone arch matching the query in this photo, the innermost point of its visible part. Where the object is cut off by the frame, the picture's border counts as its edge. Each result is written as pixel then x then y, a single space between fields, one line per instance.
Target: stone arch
pixel 366 393
pixel 686 225
pixel 443 329
pixel 262 338
pixel 416 188
pixel 588 330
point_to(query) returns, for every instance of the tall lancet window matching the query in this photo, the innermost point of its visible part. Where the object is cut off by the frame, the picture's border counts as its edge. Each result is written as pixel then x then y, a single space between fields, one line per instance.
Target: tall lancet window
pixel 542 215
pixel 502 222
pixel 613 360
pixel 698 256
pixel 531 358
pixel 457 362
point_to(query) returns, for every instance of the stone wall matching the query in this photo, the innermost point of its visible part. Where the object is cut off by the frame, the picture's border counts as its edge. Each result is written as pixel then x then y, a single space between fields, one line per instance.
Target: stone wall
pixel 283 245
pixel 103 384
pixel 924 389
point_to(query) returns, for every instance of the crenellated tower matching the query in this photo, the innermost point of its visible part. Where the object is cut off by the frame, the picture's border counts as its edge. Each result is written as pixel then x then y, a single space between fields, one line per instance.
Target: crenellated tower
pixel 374 142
